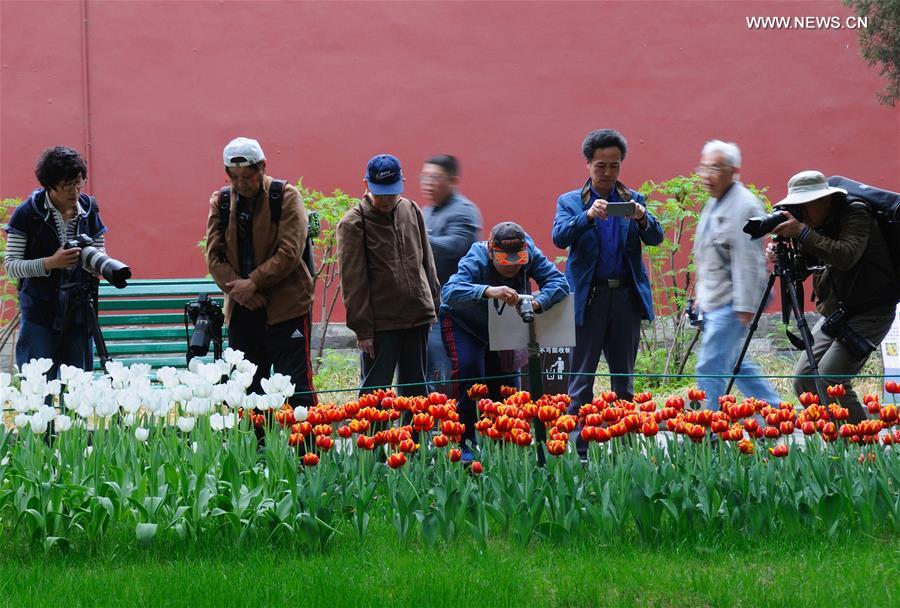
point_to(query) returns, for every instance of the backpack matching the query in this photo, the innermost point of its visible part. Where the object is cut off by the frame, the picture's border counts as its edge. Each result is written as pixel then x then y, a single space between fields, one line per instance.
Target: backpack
pixel 886 206
pixel 275 198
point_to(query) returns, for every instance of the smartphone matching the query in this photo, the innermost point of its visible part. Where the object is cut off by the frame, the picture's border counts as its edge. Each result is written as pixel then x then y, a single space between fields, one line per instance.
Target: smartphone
pixel 620 209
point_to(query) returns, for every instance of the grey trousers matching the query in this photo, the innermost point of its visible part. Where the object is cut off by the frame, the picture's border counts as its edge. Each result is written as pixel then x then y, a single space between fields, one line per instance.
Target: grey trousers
pixel 612 327
pixel 836 364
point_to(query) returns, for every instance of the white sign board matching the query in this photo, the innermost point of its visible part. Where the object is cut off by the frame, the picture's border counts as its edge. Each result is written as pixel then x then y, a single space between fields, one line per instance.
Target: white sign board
pixel 556 327
pixel 890 353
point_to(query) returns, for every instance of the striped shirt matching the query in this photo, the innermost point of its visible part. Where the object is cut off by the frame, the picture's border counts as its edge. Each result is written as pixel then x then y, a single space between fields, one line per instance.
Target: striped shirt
pixel 17 267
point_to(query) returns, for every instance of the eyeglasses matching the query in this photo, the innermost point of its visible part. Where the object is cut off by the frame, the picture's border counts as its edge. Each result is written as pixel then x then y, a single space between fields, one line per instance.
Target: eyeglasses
pixel 426 178
pixel 710 170
pixel 74 186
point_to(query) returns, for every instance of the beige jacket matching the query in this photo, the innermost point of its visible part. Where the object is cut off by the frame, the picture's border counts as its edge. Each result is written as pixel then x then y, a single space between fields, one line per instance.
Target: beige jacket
pixel 280 274
pixel 391 282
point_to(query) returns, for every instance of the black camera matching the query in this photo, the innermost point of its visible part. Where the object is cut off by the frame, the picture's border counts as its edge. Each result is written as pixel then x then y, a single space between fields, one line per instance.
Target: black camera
pixel 208 318
pixel 526 308
pixel 758 227
pixel 836 326
pixel 111 269
pixel 694 314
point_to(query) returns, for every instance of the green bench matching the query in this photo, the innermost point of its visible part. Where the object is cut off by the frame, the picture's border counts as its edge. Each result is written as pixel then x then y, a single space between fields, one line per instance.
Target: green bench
pixel 144 323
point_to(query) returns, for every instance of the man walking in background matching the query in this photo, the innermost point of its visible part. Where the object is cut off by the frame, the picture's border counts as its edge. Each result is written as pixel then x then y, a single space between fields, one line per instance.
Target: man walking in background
pixel 731 276
pixel 453 223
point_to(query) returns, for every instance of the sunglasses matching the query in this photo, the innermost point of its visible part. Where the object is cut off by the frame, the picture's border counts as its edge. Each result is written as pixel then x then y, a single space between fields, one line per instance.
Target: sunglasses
pixel 504 258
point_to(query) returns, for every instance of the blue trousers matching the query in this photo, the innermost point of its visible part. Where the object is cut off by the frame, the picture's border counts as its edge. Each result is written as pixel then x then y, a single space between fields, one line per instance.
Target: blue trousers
pixel 36 341
pixel 471 363
pixel 720 344
pixel 437 366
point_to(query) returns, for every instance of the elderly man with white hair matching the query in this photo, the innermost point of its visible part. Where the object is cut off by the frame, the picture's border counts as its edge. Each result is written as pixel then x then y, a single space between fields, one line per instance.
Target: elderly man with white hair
pixel 731 276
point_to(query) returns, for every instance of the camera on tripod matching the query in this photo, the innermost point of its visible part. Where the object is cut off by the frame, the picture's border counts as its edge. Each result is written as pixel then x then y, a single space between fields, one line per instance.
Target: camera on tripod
pixel 758 227
pixel 208 318
pixel 526 308
pixel 111 269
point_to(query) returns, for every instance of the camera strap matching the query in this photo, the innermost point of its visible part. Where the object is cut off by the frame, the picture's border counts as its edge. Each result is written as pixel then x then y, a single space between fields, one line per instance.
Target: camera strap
pixel 276 190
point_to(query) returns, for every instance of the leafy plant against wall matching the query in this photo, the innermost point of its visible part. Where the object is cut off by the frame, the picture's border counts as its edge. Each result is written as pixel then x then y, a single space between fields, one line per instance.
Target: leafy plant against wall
pixel 879 42
pixel 9 296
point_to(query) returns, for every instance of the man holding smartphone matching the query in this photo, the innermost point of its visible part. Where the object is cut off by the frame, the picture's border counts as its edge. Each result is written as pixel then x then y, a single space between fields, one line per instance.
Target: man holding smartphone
pixel 603 225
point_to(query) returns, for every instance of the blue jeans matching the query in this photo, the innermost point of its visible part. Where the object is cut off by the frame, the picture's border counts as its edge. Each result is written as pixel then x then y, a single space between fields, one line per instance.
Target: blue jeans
pixel 36 341
pixel 722 338
pixel 437 367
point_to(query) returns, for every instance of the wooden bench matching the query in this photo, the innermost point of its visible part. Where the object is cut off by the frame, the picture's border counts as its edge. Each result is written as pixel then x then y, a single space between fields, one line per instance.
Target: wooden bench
pixel 144 323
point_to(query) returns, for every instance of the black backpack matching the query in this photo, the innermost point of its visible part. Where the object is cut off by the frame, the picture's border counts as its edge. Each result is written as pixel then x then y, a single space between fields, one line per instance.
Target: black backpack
pixel 886 206
pixel 275 198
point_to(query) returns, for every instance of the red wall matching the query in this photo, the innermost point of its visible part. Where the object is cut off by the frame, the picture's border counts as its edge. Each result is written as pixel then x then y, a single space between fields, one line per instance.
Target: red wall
pixel 153 90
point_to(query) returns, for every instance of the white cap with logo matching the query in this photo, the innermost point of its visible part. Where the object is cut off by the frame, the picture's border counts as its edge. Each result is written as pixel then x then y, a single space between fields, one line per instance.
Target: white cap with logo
pixel 242 152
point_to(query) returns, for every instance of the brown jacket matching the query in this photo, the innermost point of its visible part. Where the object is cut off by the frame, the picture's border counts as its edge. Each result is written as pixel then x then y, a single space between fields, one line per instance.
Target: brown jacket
pixel 280 274
pixel 857 262
pixel 392 283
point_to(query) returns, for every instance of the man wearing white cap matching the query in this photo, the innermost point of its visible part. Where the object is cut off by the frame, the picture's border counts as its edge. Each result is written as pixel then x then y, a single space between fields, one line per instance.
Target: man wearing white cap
pixel 256 236
pixel 856 292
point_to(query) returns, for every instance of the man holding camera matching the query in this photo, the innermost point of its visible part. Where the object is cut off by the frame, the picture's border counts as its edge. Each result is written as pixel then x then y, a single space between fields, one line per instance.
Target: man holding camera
pixel 256 236
pixel 53 283
pixel 603 224
pixel 388 279
pixel 856 290
pixel 731 276
pixel 498 269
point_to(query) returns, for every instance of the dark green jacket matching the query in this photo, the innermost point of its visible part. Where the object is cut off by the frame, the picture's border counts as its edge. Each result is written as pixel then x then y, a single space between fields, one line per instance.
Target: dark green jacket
pixel 858 269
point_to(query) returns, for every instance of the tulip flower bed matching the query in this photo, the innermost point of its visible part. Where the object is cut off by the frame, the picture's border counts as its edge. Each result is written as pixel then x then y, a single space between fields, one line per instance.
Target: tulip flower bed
pixel 181 461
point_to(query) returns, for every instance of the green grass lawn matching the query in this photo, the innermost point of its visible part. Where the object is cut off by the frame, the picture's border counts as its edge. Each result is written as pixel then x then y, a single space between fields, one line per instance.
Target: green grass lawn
pixel 787 572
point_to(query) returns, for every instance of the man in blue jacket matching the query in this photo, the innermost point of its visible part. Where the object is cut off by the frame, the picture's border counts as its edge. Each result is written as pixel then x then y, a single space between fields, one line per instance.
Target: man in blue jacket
pixel 603 225
pixel 498 269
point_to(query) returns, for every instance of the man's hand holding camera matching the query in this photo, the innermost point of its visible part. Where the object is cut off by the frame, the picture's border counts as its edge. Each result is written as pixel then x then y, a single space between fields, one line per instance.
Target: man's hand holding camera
pixel 789 228
pixel 62 259
pixel 507 295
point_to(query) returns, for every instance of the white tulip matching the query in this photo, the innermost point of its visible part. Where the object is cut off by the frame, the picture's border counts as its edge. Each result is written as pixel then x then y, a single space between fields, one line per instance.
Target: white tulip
pixel 224 367
pixel 194 364
pixel 186 424
pixel 211 373
pixel 300 413
pixel 168 376
pixel 244 380
pixel 21 420
pixel 132 403
pixel 67 372
pixel 63 423
pixel 141 434
pixel 34 401
pixel 197 406
pixel 246 367
pixel 140 370
pixel 201 387
pixel 129 420
pixel 36 368
pixel 217 422
pixel 232 357
pixel 5 379
pixel 38 424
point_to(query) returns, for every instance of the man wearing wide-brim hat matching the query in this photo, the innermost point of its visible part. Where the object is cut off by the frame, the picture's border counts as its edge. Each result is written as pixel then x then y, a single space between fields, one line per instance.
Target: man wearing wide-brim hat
pixel 843 235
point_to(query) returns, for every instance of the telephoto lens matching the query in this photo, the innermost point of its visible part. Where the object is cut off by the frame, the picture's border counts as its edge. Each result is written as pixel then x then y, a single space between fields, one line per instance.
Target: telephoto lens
pixel 111 269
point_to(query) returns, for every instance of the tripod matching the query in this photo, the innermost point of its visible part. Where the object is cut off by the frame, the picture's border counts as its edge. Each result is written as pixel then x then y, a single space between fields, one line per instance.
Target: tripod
pixel 80 297
pixel 785 269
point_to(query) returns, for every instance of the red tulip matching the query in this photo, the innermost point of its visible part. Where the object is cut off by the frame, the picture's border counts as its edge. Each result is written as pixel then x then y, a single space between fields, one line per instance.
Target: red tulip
pixel 888 414
pixel 746 446
pixel 808 399
pixel 396 460
pixel 477 468
pixel 310 459
pixel 455 455
pixel 838 390
pixel 440 441
pixel 892 387
pixel 556 447
pixel 324 442
pixel 779 451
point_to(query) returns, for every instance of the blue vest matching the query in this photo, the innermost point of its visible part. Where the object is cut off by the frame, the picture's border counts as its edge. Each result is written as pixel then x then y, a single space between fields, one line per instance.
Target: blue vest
pixel 40 299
